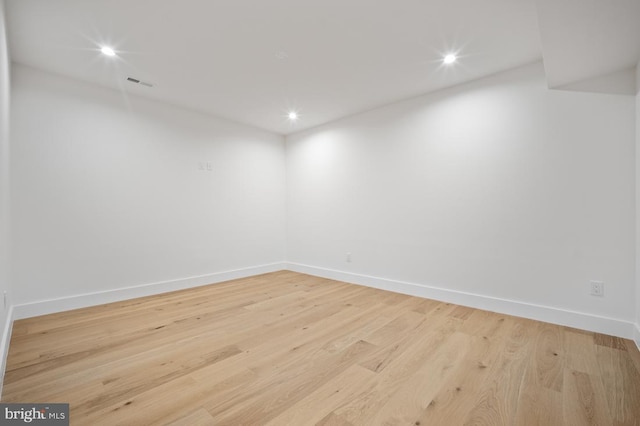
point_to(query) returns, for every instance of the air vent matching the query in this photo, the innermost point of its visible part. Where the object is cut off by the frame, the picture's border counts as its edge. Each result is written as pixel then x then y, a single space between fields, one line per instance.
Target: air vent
pixel 136 81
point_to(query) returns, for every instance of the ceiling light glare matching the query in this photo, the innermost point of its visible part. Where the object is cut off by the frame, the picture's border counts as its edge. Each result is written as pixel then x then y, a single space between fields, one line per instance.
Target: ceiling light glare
pixel 106 50
pixel 293 116
pixel 449 59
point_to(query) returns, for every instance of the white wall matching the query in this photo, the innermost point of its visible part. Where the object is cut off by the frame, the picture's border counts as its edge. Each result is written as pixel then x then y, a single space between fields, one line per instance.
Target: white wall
pixel 637 331
pixel 499 188
pixel 107 192
pixel 5 228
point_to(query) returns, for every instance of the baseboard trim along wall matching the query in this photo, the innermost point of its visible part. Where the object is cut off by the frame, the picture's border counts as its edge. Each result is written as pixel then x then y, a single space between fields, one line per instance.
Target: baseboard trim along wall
pixel 44 307
pixel 4 344
pixel 584 321
pixel 580 320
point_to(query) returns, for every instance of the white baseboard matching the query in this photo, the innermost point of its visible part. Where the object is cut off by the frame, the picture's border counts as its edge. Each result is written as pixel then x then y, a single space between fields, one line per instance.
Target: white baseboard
pixel 43 307
pixel 611 326
pixel 5 339
pixel 580 320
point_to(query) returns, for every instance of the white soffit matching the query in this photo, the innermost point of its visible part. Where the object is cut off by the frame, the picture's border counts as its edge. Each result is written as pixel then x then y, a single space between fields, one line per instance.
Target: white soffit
pixel 591 45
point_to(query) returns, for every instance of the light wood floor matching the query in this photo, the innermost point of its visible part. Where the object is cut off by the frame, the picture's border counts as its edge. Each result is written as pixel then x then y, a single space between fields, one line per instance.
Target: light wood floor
pixel 291 349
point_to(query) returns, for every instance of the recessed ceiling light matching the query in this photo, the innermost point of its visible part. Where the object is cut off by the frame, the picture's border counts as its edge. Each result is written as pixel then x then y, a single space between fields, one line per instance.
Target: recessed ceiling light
pixel 449 59
pixel 293 116
pixel 106 50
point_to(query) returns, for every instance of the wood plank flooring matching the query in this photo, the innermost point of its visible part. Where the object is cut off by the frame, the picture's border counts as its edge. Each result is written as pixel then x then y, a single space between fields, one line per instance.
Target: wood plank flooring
pixel 290 349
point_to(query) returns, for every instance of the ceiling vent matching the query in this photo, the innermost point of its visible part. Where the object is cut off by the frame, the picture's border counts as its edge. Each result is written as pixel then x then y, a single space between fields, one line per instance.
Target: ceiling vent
pixel 136 81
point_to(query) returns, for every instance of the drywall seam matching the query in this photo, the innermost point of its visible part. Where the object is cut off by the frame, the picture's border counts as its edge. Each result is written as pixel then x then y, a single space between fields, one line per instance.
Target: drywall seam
pixel 595 323
pixel 43 307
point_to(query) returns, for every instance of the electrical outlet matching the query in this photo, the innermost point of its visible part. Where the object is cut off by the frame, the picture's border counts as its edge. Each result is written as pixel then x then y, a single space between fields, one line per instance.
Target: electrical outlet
pixel 348 258
pixel 597 288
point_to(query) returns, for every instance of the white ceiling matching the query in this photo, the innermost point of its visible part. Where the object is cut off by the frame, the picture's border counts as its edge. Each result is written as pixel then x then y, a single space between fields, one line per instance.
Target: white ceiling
pixel 253 60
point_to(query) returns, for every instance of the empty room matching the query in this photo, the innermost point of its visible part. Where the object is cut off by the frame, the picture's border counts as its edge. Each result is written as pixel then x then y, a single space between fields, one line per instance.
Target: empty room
pixel 279 212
